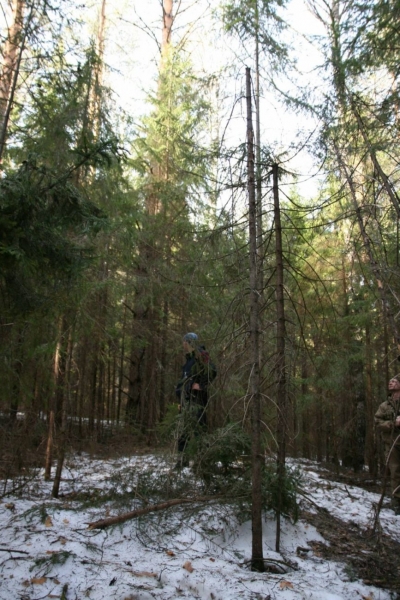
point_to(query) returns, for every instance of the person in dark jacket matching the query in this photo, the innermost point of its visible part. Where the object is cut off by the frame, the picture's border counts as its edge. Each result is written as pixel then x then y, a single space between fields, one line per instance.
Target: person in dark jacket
pixel 192 390
pixel 387 421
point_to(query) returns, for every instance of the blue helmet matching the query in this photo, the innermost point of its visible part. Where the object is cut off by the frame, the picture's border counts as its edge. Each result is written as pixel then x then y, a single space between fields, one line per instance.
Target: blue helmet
pixel 191 338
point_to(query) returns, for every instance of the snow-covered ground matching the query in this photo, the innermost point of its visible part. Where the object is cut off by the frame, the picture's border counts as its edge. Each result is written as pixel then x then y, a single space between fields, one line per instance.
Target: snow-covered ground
pixel 48 551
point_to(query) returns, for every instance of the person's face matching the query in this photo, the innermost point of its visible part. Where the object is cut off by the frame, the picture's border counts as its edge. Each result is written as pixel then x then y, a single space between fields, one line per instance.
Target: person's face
pixel 394 385
pixel 187 348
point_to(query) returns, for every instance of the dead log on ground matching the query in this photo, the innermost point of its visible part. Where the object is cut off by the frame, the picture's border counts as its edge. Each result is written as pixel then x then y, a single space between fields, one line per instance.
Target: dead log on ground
pixel 133 514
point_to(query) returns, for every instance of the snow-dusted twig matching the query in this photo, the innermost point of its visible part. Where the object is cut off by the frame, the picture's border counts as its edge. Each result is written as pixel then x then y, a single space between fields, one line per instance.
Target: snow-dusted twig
pixel 307 497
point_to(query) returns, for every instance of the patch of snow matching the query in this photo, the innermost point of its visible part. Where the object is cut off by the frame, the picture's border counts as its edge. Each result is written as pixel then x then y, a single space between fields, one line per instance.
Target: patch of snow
pixel 46 546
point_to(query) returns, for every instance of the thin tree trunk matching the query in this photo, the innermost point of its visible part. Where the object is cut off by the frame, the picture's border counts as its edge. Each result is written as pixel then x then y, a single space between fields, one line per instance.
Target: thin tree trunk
pixel 149 391
pixel 386 347
pixel 164 332
pixel 257 560
pixel 82 384
pixel 100 392
pixel 53 406
pixel 280 351
pixel 93 389
pixel 63 386
pixel 49 445
pixel 112 384
pixel 168 20
pixel 121 369
pixel 259 203
pixel 306 413
pixel 135 372
pixel 370 442
pixel 368 248
pixel 17 374
pixel 382 175
pixel 319 418
pixel 12 56
pixel 258 163
pixel 98 74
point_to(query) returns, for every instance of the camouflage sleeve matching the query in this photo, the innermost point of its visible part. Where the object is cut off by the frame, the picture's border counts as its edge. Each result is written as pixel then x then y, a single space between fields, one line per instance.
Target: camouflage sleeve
pixel 384 418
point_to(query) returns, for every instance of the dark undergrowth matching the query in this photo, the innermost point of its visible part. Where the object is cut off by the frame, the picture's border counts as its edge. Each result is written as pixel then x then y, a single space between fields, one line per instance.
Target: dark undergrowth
pixel 372 557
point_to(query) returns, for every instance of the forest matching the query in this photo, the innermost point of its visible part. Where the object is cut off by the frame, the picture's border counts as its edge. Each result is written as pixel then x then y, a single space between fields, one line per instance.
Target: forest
pixel 227 168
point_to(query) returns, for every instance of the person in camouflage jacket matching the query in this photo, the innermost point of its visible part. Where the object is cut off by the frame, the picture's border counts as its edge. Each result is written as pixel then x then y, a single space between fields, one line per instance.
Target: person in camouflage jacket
pixel 387 421
pixel 192 390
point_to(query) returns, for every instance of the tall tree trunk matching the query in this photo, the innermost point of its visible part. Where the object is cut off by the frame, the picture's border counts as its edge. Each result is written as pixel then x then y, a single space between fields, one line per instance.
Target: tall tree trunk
pixel 385 347
pixel 280 351
pixel 98 74
pixel 12 55
pixel 259 204
pixel 121 369
pixel 64 395
pixel 370 442
pixel 306 413
pixel 136 362
pixel 319 421
pixel 378 169
pixel 257 560
pixel 168 20
pixel 258 161
pixel 375 267
pixel 81 391
pixel 164 331
pixel 18 361
pixel 142 392
pixel 93 390
pixel 53 403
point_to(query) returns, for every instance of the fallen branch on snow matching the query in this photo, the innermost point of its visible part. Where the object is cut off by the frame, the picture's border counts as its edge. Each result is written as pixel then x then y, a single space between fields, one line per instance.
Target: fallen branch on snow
pixel 12 550
pixel 133 514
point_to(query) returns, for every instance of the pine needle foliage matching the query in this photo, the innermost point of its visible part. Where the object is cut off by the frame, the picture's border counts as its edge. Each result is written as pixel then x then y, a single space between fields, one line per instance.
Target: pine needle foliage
pixel 225 450
pixel 258 18
pixel 46 225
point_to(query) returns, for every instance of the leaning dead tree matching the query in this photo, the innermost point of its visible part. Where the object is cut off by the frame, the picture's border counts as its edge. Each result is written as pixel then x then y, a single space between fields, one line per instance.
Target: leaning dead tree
pixel 140 512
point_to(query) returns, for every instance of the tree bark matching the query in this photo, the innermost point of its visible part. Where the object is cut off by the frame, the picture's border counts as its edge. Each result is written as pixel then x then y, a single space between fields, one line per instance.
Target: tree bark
pixel 168 20
pixel 121 369
pixel 98 74
pixel 370 441
pixel 12 56
pixel 306 413
pixel 64 396
pixel 280 352
pixel 53 406
pixel 257 560
pixel 18 362
pixel 376 270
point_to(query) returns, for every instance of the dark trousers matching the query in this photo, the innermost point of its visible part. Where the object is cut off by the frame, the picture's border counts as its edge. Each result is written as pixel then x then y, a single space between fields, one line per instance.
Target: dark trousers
pixel 394 467
pixel 194 418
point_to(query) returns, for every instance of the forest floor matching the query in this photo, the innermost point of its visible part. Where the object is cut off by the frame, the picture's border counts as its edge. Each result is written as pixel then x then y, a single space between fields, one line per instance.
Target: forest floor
pixel 198 552
pixel 370 555
pixel 374 558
